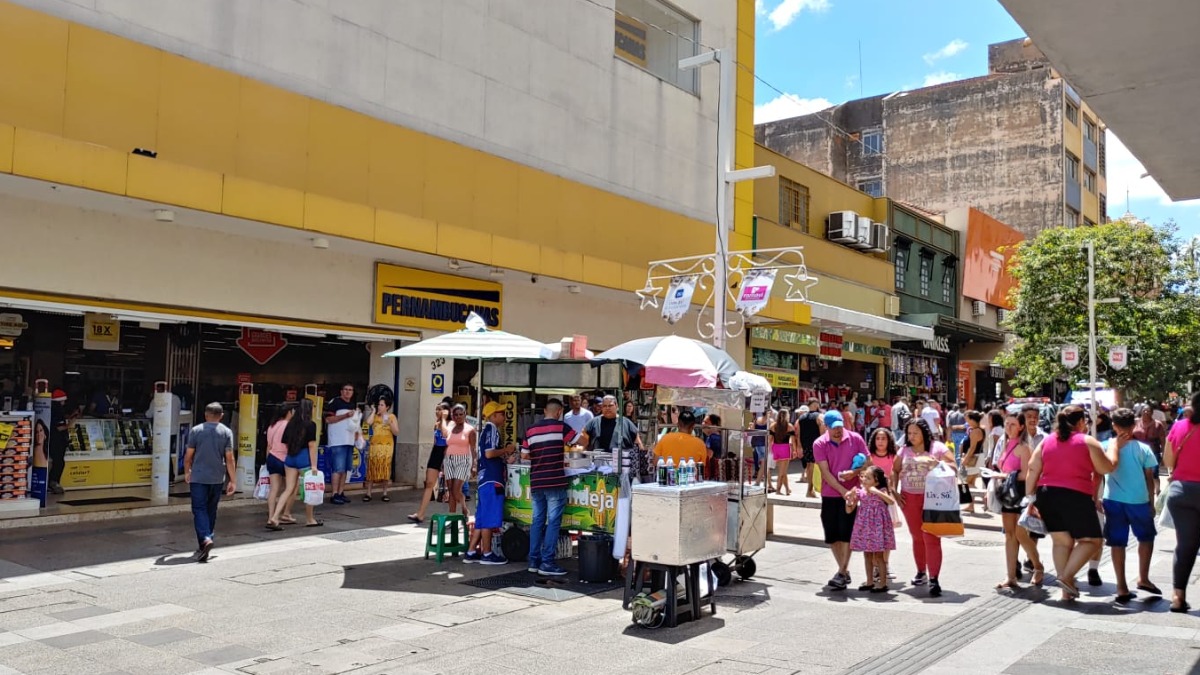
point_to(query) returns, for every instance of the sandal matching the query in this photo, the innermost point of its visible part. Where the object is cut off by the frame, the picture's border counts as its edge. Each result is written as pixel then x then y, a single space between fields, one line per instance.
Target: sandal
pixel 1070 592
pixel 366 498
pixel 385 498
pixel 1008 583
pixel 1149 588
pixel 1180 609
pixel 879 589
pixel 866 587
pixel 319 523
pixel 287 521
pixel 1125 597
pixel 414 519
pixel 1039 576
pixel 274 527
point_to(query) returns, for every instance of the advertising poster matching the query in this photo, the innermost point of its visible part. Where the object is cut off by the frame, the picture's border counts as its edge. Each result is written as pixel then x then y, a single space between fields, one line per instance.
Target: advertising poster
pixel 508 434
pixel 39 475
pixel 755 291
pixel 591 500
pixel 247 438
pixel 101 332
pixel 990 244
pixel 679 298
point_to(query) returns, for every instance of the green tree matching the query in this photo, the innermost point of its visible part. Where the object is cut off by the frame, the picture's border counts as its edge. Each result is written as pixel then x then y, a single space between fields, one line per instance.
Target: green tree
pixel 1146 268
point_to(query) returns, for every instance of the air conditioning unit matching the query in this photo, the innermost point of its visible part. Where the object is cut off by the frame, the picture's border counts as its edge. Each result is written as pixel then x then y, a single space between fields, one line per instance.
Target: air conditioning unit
pixel 879 238
pixel 842 227
pixel 862 234
pixel 978 308
pixel 1001 315
pixel 893 305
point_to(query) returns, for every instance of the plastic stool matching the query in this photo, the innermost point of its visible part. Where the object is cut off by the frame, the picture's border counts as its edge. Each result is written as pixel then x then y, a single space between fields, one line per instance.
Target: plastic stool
pixel 435 539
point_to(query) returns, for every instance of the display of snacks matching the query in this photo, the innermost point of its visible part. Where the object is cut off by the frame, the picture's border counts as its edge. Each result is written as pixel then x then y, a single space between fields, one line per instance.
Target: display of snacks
pixel 17 434
pixel 132 437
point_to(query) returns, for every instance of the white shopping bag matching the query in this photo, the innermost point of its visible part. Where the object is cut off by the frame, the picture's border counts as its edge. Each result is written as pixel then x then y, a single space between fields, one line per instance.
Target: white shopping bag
pixel 314 488
pixel 941 515
pixel 263 489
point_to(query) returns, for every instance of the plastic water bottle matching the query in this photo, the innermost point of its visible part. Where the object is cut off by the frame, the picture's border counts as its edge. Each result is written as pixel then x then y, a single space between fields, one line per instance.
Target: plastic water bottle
pixel 662 471
pixel 671 471
pixel 691 471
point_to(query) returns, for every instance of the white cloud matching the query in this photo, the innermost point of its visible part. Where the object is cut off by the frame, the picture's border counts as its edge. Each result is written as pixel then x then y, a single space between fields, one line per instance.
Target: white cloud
pixel 1124 172
pixel 787 105
pixel 787 11
pixel 851 81
pixel 955 46
pixel 759 8
pixel 940 77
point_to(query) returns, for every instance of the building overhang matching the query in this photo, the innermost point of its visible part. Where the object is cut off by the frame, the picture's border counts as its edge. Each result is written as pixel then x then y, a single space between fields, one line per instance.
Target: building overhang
pixel 956 329
pixel 838 318
pixel 1130 61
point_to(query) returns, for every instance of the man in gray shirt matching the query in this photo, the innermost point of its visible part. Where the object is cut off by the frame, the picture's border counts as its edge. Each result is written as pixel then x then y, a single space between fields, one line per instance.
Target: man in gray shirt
pixel 207 463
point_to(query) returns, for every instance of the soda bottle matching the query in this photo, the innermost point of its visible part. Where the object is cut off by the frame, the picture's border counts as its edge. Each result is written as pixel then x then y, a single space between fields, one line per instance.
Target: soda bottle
pixel 691 471
pixel 671 471
pixel 662 471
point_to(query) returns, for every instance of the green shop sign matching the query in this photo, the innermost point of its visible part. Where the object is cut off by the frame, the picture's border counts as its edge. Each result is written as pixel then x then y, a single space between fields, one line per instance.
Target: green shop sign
pixel 591 500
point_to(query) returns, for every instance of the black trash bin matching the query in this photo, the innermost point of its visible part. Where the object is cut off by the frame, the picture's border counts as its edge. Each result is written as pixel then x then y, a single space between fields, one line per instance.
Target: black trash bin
pixel 596 564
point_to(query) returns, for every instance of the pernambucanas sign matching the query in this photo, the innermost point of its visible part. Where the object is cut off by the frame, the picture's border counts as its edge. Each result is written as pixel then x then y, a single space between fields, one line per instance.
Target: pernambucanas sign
pixel 421 299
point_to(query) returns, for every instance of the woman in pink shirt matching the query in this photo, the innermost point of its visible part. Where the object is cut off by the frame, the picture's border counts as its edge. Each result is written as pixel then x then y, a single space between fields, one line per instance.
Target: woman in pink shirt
pixel 276 456
pixel 917 458
pixel 1182 457
pixel 1014 458
pixel 1063 478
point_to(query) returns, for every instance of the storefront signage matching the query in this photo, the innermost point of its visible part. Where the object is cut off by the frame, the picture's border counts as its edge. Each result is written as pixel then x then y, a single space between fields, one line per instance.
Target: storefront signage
pixel 247 438
pixel 101 332
pixel 1070 356
pixel 780 380
pixel 780 335
pixel 679 297
pixel 591 500
pixel 437 383
pixel 422 299
pixel 629 41
pixel 755 291
pixel 939 343
pixel 508 433
pixel 12 325
pixel 1118 357
pixel 964 381
pixel 261 345
pixel 831 344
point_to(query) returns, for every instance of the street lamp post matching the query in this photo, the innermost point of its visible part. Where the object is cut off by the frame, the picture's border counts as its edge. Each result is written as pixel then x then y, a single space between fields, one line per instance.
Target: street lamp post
pixel 1093 366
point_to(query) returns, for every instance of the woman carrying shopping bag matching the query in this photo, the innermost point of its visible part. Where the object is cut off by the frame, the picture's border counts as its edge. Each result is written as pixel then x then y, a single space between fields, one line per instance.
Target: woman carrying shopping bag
pixel 919 456
pixel 300 437
pixel 1013 467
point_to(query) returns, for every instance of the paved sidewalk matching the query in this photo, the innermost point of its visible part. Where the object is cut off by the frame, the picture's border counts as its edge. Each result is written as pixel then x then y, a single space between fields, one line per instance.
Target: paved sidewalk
pixel 357 596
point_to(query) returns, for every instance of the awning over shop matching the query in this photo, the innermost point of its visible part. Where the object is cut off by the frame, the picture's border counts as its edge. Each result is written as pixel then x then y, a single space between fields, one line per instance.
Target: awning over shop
pixel 828 316
pixel 959 330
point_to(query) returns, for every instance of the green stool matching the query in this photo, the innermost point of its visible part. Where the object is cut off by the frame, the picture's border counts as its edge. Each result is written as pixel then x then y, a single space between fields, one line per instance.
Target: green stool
pixel 438 524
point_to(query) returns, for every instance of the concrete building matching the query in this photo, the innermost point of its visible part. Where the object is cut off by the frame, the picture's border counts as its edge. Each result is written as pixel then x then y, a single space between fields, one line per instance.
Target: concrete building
pixel 844 345
pixel 1017 143
pixel 242 190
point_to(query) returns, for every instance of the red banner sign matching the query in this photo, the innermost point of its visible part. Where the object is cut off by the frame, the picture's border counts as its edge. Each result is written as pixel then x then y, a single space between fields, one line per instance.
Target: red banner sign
pixel 261 345
pixel 831 345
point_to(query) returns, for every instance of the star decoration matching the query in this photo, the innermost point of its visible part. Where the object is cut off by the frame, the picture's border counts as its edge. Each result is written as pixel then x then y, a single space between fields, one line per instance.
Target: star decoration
pixel 799 283
pixel 649 294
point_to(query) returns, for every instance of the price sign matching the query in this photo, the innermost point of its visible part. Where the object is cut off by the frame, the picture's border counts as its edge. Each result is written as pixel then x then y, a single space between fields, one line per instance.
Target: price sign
pixel 1070 356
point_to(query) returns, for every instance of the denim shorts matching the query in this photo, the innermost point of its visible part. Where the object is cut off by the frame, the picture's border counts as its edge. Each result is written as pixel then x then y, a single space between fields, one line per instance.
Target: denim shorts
pixel 299 461
pixel 275 465
pixel 337 458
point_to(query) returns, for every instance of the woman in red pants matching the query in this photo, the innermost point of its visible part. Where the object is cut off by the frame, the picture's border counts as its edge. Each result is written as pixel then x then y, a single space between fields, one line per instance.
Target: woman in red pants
pixel 918 456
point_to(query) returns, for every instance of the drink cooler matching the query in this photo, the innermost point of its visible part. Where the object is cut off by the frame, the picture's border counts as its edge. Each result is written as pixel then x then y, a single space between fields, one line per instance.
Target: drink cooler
pixel 679 525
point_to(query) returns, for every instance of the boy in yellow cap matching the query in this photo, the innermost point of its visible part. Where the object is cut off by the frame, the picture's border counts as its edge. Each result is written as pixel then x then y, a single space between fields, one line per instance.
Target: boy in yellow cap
pixel 489 505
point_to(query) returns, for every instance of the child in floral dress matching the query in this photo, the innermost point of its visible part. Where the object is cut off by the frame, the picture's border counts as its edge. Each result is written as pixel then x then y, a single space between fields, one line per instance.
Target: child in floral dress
pixel 874 533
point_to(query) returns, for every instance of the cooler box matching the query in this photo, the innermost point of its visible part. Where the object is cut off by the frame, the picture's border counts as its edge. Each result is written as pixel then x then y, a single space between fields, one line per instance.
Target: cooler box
pixel 747 519
pixel 679 525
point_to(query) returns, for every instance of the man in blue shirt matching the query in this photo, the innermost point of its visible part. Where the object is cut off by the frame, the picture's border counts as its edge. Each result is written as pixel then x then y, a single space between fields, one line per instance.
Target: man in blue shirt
pixel 208 462
pixel 1129 493
pixel 493 474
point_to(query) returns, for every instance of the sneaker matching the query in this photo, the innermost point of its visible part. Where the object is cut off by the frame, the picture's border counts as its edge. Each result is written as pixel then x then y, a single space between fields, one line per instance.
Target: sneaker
pixel 551 570
pixel 1094 578
pixel 1029 565
pixel 935 589
pixel 493 558
pixel 472 557
pixel 337 499
pixel 920 579
pixel 532 567
pixel 205 550
pixel 838 582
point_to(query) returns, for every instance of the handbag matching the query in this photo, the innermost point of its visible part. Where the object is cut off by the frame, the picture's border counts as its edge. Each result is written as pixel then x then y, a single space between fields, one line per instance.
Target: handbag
pixel 1031 522
pixel 992 501
pixel 964 494
pixel 1010 492
pixel 894 511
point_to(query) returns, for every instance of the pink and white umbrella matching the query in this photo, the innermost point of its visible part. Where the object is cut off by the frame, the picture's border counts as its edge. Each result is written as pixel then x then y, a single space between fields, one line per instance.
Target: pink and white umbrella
pixel 674 361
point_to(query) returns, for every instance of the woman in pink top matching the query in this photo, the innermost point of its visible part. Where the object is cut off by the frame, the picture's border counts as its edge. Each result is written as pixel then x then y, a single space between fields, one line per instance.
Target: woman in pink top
pixel 1014 458
pixel 1063 478
pixel 460 460
pixel 1182 457
pixel 916 459
pixel 276 456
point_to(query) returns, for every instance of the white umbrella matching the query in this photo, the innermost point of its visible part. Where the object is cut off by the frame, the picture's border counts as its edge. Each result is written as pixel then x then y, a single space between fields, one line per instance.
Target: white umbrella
pixel 674 361
pixel 474 341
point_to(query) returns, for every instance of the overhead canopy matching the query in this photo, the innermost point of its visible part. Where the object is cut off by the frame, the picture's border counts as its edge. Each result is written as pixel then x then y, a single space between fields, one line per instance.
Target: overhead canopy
pixel 1134 63
pixel 828 316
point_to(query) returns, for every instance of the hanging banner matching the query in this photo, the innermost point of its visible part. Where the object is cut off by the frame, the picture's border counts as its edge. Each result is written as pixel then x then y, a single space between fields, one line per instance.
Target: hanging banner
pixel 679 297
pixel 247 438
pixel 965 373
pixel 1070 356
pixel 508 433
pixel 831 344
pixel 1118 357
pixel 101 332
pixel 755 291
pixel 39 473
pixel 161 430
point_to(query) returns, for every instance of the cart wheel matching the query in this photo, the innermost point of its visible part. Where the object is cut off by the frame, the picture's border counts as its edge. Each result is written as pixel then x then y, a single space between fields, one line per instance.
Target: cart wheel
pixel 724 575
pixel 515 544
pixel 745 565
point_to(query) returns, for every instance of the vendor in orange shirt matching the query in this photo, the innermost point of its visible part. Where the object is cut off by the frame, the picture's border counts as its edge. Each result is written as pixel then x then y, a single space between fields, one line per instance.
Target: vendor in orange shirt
pixel 682 445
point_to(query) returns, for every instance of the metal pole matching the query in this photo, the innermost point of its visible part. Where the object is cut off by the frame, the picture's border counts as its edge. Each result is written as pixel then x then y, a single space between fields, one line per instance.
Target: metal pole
pixel 726 139
pixel 1091 250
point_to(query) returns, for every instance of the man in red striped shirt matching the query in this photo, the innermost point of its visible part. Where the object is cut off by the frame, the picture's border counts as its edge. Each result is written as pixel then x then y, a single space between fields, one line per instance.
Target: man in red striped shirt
pixel 544 445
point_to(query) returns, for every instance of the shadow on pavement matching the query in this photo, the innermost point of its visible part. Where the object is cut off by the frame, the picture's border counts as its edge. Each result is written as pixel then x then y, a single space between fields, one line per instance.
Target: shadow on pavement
pixel 180 559
pixel 681 633
pixel 743 595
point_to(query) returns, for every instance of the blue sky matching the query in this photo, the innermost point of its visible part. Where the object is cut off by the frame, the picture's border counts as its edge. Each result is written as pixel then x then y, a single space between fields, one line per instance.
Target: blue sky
pixel 809 49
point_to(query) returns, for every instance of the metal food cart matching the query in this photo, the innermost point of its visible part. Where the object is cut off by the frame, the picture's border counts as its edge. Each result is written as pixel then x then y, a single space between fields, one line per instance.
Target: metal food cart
pixel 746 514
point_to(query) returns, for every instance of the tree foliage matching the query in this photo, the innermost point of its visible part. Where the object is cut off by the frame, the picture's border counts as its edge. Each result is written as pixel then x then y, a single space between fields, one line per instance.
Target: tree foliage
pixel 1155 282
